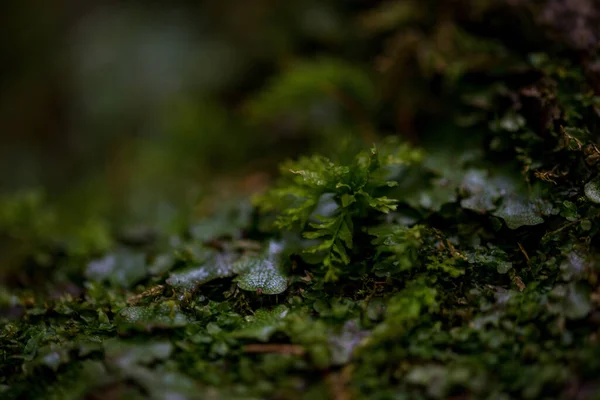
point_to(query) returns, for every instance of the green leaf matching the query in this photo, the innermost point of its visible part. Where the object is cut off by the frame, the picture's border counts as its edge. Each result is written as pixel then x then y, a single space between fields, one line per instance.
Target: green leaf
pixel 397 248
pixel 592 190
pixel 122 268
pixel 262 324
pixel 383 204
pixel 220 266
pixel 261 275
pixel 347 199
pixel 517 212
pixel 504 267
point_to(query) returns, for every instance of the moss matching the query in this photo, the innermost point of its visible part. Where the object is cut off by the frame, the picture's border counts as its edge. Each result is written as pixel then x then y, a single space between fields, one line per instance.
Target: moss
pixel 461 262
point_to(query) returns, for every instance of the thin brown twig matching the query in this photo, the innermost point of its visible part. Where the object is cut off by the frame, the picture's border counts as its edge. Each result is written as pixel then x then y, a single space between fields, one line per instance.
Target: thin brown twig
pixel 523 251
pixel 153 291
pixel 561 228
pixel 274 348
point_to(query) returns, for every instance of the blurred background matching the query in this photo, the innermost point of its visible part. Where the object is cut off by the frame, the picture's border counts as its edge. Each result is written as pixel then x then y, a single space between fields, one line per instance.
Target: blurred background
pixel 125 109
pixel 129 109
pixel 134 115
pixel 128 118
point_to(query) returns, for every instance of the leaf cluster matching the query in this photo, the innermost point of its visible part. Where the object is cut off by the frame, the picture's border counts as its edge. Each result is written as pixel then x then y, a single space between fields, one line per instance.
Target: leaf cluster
pixel 325 200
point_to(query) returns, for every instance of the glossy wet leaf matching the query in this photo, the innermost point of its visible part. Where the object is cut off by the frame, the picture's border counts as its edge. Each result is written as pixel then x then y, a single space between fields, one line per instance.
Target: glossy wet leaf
pixel 592 190
pixel 219 266
pixel 261 276
pixel 518 212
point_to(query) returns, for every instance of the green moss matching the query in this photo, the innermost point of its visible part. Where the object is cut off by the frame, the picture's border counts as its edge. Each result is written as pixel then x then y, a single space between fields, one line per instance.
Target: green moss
pixel 463 264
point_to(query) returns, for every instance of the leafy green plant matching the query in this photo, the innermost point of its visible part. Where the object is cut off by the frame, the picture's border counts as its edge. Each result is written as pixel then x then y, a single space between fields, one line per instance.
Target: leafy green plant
pixel 350 193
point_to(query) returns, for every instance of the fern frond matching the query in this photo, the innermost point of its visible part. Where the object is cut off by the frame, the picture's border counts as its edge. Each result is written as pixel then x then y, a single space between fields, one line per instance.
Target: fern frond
pixel 356 190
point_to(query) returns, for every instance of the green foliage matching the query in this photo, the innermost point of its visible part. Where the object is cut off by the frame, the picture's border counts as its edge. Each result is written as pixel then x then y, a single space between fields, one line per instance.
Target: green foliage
pixel 518 212
pixel 262 324
pixel 259 273
pixel 350 193
pixel 313 95
pixel 464 265
pixel 397 248
pixel 25 214
pixel 145 318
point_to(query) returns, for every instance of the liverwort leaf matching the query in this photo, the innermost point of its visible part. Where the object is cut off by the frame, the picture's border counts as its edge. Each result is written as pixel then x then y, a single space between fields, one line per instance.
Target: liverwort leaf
pixel 262 276
pixel 517 212
pixel 592 190
pixel 218 267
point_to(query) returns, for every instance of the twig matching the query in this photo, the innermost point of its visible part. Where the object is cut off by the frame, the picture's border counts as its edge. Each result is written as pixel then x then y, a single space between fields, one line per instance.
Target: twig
pixel 274 348
pixel 153 291
pixel 524 252
pixel 561 228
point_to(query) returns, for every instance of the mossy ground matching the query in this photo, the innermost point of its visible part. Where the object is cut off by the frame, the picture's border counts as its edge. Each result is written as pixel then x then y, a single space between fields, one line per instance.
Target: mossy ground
pixel 458 260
